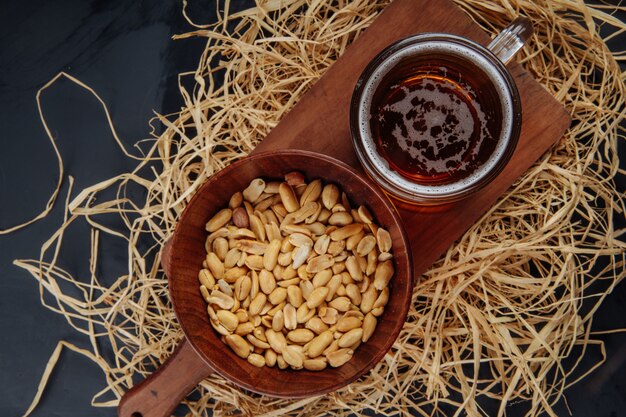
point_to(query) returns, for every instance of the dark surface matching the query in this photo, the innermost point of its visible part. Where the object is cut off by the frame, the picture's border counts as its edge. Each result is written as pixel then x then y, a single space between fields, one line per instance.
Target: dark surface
pixel 124 51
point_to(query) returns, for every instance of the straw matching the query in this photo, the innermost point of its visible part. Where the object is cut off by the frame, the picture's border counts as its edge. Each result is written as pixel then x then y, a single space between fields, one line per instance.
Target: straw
pixel 504 317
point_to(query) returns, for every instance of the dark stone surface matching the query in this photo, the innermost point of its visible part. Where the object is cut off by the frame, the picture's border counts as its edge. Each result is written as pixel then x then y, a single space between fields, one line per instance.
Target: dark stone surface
pixel 124 51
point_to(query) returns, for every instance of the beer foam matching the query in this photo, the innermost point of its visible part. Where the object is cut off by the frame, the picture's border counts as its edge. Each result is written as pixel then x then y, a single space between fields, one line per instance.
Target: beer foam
pixel 364 114
pixel 439 103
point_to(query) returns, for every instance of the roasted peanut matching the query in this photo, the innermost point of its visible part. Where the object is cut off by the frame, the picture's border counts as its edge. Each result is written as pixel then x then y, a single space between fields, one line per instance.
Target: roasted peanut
pixel 295 276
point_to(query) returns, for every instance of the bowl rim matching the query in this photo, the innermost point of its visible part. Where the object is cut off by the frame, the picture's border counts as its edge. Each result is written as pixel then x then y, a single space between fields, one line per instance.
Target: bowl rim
pixel 367 182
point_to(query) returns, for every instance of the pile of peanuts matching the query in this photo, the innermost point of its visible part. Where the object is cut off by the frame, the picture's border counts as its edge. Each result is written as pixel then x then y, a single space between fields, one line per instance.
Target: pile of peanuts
pixel 294 276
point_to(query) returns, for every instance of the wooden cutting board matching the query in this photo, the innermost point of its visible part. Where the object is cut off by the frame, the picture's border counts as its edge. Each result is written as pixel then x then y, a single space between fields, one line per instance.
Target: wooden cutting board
pixel 320 120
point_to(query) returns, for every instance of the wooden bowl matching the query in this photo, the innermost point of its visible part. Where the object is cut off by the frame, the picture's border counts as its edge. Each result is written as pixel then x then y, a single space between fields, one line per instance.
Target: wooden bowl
pixel 183 260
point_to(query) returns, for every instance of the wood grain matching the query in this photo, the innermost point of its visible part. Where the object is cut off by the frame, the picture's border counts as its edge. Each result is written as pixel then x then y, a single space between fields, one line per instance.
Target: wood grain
pixel 431 230
pixel 160 394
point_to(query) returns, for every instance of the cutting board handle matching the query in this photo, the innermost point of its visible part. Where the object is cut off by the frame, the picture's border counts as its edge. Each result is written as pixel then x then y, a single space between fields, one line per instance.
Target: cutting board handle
pixel 160 393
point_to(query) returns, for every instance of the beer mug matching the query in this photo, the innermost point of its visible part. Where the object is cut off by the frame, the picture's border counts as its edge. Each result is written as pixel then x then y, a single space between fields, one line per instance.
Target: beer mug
pixel 435 117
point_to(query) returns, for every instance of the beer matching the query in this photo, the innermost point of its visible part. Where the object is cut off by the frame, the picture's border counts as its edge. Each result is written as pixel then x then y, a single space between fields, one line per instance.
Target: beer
pixel 437 120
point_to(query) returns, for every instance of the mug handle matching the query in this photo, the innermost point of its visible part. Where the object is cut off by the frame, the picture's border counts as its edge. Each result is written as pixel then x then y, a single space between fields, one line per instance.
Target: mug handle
pixel 511 39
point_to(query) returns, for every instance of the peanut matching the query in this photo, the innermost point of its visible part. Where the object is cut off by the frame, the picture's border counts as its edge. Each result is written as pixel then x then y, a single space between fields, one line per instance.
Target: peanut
pixel 295 275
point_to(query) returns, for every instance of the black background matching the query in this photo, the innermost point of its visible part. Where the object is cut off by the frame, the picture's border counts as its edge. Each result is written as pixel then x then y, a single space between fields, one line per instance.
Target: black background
pixel 125 52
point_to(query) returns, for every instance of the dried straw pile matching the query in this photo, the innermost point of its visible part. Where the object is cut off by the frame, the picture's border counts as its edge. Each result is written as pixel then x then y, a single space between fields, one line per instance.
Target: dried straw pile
pixel 491 322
